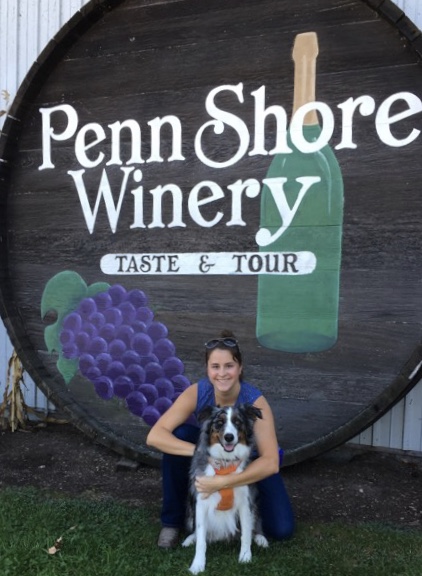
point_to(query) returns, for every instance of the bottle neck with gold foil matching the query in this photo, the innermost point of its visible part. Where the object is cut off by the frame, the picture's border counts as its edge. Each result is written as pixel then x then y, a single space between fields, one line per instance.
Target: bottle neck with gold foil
pixel 305 52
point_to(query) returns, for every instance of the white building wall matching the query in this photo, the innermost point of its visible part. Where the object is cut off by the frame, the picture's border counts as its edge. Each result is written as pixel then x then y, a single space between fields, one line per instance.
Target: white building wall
pixel 26 26
pixel 412 9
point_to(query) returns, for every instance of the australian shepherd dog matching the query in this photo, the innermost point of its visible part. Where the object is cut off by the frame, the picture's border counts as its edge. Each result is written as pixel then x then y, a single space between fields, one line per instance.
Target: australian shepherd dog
pixel 225 445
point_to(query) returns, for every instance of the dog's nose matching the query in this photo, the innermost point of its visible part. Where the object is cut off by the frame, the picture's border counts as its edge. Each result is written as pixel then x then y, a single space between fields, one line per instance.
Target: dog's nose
pixel 228 437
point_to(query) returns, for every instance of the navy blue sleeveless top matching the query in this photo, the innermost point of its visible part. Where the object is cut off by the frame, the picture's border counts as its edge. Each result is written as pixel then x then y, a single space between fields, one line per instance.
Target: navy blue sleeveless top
pixel 247 395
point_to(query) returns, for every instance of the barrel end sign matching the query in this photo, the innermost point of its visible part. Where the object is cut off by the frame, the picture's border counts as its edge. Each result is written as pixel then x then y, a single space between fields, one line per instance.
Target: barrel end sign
pixel 153 201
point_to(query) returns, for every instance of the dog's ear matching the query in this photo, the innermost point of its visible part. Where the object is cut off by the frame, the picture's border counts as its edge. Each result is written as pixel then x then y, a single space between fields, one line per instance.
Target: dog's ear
pixel 252 412
pixel 205 413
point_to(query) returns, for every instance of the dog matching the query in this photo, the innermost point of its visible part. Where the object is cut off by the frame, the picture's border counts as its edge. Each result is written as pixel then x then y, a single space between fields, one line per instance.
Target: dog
pixel 225 446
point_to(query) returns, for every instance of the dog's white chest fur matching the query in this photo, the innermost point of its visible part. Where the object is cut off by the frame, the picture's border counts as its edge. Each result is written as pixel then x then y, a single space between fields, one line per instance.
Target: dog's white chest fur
pixel 222 524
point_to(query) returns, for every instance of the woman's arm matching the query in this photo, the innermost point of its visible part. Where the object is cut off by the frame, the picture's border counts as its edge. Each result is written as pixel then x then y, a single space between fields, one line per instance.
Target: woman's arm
pixel 161 434
pixel 265 465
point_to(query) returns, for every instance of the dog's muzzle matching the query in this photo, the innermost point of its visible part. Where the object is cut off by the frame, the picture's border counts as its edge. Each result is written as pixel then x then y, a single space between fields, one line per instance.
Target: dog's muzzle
pixel 228 442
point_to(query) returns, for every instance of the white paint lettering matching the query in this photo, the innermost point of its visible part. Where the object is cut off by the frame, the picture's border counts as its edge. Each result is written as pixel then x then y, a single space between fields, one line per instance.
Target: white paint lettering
pixel 296 127
pixel 366 106
pixel 261 114
pixel 252 188
pixel 48 133
pixel 138 204
pixel 176 126
pixel 221 119
pixel 384 120
pixel 136 142
pixel 84 141
pixel 177 195
pixel 276 186
pixel 104 192
pixel 194 203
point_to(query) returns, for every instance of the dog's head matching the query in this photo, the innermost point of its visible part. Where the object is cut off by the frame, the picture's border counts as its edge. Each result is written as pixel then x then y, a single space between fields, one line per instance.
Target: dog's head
pixel 229 430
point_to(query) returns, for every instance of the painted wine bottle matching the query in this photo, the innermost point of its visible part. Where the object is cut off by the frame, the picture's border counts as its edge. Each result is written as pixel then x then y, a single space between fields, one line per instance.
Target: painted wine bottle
pixel 302 211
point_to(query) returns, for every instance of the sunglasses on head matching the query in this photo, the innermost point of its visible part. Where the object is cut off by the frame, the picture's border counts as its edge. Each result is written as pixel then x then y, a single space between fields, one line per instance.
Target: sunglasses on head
pixel 229 342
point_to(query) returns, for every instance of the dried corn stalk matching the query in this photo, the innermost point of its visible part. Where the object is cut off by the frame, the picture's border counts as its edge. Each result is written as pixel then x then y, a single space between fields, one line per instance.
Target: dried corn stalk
pixel 13 409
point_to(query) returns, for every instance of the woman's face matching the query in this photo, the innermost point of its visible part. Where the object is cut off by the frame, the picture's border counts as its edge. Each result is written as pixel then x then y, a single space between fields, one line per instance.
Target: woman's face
pixel 223 370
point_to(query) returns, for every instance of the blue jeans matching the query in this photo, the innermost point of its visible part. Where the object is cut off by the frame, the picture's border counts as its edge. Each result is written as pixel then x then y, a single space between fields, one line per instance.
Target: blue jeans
pixel 273 501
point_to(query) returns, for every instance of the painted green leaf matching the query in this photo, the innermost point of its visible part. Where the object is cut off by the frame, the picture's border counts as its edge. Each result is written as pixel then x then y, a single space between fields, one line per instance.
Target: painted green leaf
pixel 67 367
pixel 62 295
pixel 97 287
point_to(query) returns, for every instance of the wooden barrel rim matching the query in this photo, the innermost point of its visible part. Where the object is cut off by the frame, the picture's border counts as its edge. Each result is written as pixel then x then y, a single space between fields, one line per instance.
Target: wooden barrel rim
pixel 66 37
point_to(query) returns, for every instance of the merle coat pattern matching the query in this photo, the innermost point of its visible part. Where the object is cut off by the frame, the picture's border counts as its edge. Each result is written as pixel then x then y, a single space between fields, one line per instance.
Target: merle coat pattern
pixel 226 440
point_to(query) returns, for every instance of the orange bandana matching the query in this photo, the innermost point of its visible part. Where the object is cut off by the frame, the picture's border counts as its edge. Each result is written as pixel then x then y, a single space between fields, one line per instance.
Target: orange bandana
pixel 227 494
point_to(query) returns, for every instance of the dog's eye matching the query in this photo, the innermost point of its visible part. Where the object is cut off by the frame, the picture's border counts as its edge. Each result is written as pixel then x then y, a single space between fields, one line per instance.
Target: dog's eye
pixel 218 424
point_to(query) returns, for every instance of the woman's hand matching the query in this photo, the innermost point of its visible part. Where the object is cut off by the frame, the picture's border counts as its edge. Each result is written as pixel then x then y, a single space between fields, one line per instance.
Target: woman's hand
pixel 207 485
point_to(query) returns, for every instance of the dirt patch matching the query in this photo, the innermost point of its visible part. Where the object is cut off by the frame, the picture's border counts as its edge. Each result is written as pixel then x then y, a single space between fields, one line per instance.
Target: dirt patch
pixel 348 484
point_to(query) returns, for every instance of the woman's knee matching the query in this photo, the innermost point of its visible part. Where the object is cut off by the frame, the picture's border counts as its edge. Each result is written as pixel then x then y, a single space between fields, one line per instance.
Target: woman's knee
pixel 275 507
pixel 282 531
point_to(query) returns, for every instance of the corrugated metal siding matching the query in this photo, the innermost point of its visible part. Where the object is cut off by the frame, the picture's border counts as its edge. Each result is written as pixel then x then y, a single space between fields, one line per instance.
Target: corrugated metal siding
pixel 412 9
pixel 401 427
pixel 26 26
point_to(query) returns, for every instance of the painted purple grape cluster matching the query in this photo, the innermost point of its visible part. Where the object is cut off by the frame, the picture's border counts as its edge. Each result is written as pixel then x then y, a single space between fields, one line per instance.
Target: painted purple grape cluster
pixel 124 351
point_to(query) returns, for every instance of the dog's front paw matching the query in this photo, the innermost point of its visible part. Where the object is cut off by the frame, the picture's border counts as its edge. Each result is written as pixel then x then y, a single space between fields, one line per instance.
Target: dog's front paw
pixel 245 556
pixel 260 540
pixel 189 540
pixel 197 567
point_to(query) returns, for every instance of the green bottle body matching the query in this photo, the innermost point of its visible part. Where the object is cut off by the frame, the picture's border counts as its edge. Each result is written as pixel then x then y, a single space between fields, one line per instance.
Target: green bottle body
pixel 299 312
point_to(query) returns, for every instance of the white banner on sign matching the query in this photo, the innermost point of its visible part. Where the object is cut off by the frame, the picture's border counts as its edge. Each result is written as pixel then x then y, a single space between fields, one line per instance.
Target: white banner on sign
pixel 225 263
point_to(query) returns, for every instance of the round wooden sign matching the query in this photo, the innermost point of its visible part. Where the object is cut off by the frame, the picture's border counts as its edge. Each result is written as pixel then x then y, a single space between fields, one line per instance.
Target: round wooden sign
pixel 172 169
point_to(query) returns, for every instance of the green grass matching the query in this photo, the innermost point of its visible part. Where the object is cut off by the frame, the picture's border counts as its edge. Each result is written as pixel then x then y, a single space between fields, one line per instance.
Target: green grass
pixel 110 539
